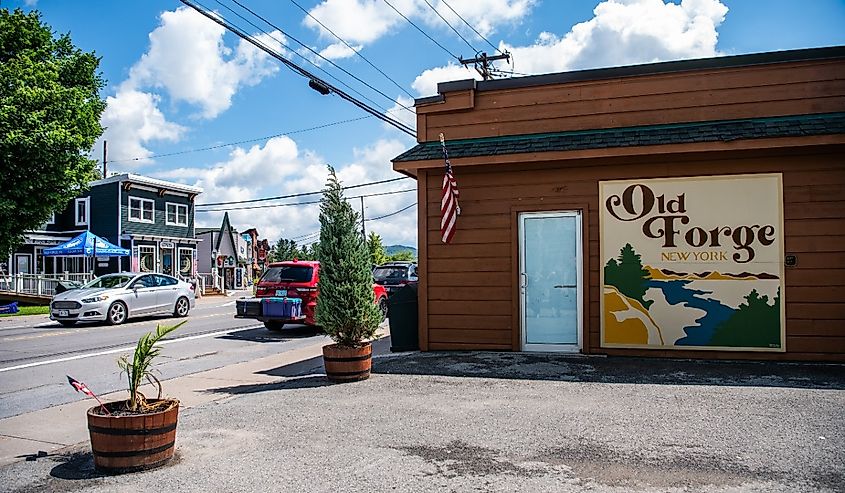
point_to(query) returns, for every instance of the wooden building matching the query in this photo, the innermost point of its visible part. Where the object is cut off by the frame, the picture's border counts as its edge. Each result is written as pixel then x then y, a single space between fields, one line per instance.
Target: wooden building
pixel 682 209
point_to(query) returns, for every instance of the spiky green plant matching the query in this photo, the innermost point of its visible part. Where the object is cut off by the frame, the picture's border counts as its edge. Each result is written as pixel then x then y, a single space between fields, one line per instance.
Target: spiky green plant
pixel 140 368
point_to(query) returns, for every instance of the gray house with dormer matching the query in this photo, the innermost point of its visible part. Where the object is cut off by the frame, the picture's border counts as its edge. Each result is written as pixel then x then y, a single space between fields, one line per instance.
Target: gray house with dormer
pixel 152 218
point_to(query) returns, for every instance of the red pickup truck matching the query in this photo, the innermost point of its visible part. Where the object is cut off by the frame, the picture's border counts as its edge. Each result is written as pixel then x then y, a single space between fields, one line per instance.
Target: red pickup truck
pixel 294 279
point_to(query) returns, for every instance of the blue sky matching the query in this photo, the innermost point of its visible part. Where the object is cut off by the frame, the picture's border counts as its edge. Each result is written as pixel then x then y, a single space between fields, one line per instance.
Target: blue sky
pixel 177 81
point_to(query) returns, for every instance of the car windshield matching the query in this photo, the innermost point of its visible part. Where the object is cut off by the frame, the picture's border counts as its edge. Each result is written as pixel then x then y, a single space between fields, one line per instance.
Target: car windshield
pixel 288 273
pixel 382 273
pixel 109 282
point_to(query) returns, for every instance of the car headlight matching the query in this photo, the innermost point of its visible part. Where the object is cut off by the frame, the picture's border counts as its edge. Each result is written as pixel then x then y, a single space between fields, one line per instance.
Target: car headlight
pixel 95 299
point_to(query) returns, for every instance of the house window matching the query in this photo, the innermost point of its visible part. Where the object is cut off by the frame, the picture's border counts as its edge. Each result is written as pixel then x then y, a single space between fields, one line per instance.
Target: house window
pixel 52 218
pixel 177 214
pixel 141 210
pixel 186 262
pixel 82 211
pixel 147 258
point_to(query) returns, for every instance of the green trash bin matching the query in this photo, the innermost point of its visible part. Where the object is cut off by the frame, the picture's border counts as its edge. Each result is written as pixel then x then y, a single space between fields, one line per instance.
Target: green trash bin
pixel 402 313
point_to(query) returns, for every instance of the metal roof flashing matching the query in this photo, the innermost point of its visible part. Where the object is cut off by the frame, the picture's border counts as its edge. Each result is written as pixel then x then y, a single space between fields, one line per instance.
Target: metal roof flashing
pixel 786 56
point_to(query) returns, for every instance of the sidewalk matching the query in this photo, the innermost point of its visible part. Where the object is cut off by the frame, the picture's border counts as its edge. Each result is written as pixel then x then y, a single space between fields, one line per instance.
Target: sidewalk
pixel 482 422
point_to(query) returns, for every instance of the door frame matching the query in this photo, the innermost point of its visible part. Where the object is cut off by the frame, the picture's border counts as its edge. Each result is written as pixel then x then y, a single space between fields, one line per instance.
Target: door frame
pixel 579 269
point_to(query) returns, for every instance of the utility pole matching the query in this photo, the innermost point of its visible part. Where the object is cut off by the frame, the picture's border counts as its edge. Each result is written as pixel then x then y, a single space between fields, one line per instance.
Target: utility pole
pixel 363 228
pixel 105 158
pixel 483 63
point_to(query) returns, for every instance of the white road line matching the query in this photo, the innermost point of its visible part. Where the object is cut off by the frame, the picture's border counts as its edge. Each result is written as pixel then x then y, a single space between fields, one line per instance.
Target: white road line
pixel 124 349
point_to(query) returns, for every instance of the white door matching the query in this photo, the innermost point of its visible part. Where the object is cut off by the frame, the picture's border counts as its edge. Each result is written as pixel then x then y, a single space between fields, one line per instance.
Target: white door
pixel 550 281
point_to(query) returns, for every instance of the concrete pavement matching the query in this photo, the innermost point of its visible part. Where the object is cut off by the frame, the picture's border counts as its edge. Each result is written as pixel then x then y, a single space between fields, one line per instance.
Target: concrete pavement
pixel 485 422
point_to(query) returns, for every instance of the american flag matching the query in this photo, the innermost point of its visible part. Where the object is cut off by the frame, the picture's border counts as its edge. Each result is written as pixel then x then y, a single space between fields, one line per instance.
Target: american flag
pixel 81 387
pixel 449 208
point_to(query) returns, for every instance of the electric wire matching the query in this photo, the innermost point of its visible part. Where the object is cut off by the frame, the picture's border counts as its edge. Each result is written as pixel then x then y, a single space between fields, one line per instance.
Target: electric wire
pixel 291 204
pixel 470 26
pixel 351 48
pixel 321 69
pixel 471 47
pixel 291 65
pixel 456 57
pixel 246 141
pixel 302 194
pixel 391 99
pixel 392 213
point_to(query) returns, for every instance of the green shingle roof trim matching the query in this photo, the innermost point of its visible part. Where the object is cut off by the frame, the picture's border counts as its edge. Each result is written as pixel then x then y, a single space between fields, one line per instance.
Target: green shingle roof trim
pixel 682 133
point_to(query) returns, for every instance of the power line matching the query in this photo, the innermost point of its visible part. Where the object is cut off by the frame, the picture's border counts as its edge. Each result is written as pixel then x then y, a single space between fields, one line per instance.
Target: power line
pixel 471 47
pixel 267 206
pixel 392 213
pixel 314 80
pixel 218 146
pixel 392 100
pixel 321 69
pixel 470 26
pixel 351 48
pixel 303 194
pixel 456 57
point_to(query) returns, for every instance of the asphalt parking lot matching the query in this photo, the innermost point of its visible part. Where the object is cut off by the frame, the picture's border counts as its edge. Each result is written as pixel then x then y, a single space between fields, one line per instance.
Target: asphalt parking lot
pixel 499 422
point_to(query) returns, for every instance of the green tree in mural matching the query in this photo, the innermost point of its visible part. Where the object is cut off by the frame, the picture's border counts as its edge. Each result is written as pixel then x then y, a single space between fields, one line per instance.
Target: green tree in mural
pixel 627 274
pixel 755 323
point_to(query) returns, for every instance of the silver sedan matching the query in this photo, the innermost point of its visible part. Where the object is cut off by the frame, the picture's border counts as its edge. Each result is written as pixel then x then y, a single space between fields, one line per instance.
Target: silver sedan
pixel 115 297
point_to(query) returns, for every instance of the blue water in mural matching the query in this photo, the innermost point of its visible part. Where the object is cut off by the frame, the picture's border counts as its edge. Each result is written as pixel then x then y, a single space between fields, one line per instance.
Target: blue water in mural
pixel 676 291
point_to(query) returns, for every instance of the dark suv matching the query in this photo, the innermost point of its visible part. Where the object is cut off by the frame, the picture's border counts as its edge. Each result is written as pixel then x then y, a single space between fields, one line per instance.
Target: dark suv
pixel 394 275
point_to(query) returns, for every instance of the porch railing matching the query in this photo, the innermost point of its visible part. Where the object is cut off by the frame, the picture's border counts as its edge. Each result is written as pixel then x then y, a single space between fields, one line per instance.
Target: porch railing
pixel 39 284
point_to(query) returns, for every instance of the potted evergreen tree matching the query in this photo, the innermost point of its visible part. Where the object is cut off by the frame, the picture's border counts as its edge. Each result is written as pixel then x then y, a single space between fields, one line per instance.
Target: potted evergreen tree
pixel 346 308
pixel 137 433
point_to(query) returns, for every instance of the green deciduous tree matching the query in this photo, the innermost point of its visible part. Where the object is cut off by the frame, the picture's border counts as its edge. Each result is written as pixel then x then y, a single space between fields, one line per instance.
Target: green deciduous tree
pixel 346 309
pixel 402 255
pixel 49 119
pixel 284 249
pixel 376 248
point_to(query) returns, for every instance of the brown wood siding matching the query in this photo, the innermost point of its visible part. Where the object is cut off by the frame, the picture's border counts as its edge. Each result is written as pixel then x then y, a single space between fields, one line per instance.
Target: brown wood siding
pixel 704 95
pixel 470 284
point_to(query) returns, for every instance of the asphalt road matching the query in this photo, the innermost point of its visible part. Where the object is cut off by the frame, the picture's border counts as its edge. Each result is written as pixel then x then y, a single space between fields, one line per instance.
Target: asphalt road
pixel 36 354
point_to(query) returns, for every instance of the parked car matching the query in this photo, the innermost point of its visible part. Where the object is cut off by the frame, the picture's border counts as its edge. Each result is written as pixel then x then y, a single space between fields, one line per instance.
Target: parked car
pixel 113 298
pixel 298 279
pixel 394 275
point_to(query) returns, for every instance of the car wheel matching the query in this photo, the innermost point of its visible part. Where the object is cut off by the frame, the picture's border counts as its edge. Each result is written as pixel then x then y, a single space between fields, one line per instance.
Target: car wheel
pixel 274 325
pixel 116 314
pixel 382 305
pixel 182 307
pixel 68 323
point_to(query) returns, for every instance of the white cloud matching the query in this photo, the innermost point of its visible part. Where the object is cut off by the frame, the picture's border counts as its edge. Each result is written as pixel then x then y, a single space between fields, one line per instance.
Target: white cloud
pixel 337 51
pixel 426 83
pixel 363 22
pixel 399 112
pixel 187 58
pixel 621 32
pixel 281 168
pixel 626 32
pixel 187 61
pixel 132 119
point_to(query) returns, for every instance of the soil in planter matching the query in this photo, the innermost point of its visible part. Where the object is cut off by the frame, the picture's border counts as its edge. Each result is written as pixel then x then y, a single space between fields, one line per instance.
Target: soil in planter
pixel 120 408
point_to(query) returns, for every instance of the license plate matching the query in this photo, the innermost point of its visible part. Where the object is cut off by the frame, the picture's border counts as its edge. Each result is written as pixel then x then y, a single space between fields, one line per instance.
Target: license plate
pixel 281 293
pixel 63 313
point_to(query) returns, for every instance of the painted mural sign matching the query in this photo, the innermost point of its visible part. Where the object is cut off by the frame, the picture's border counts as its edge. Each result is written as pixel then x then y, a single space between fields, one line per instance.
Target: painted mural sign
pixel 693 263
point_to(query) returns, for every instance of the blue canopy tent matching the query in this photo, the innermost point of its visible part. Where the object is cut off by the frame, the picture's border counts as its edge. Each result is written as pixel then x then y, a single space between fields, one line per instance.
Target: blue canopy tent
pixel 86 244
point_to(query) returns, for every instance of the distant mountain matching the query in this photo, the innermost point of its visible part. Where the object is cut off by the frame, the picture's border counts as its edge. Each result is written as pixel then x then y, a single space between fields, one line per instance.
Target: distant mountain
pixel 391 249
pixel 666 274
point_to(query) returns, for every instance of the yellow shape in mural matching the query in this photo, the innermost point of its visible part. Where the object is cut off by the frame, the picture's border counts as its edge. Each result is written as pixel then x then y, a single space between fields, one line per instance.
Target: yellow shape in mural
pixel 626 331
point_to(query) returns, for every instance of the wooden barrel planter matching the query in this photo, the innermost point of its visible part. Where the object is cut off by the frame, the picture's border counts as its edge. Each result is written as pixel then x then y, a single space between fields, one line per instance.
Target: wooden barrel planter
pixel 132 442
pixel 347 364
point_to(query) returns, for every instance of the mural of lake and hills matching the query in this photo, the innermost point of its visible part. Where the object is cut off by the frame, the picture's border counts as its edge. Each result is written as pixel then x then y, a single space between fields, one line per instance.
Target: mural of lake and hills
pixel 651 306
